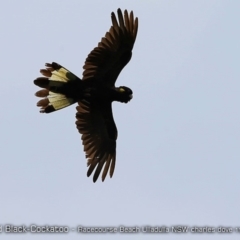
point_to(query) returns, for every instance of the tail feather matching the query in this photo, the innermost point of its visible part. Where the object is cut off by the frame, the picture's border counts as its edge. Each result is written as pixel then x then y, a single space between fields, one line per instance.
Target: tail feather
pixel 46 72
pixel 43 103
pixel 53 82
pixel 42 82
pixel 50 85
pixel 42 93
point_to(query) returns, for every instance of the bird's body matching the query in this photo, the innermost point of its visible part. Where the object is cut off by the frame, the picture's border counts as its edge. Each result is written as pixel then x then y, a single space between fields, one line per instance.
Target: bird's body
pixel 94 93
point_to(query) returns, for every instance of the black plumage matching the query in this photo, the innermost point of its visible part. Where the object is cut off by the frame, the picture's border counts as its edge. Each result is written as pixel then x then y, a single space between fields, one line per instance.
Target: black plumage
pixel 94 93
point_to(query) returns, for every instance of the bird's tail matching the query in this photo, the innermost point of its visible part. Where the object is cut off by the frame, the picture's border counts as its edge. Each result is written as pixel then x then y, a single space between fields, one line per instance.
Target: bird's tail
pixel 53 84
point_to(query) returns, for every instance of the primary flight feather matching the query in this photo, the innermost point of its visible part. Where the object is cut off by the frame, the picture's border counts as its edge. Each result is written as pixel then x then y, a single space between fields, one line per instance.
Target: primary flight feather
pixel 94 93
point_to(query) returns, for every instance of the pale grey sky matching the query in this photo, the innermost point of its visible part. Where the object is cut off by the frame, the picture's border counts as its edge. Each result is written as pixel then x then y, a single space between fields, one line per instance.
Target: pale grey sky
pixel 178 147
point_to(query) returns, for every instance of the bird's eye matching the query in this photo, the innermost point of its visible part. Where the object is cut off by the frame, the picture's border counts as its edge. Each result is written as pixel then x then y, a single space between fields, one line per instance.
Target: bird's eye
pixel 121 89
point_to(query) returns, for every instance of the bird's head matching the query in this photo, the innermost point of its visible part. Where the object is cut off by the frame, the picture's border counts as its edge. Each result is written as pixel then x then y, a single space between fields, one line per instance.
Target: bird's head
pixel 125 94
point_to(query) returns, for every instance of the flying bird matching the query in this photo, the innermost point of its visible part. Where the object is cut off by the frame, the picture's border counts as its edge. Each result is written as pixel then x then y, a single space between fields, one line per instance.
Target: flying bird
pixel 94 93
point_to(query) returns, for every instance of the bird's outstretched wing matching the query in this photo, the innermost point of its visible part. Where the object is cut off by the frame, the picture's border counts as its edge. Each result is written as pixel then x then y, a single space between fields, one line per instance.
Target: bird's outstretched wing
pixel 107 60
pixel 99 133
